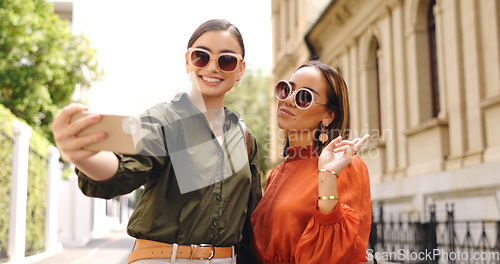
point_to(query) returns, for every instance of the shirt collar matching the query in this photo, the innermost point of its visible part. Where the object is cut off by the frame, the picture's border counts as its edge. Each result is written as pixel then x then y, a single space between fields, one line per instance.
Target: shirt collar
pixel 299 153
pixel 183 105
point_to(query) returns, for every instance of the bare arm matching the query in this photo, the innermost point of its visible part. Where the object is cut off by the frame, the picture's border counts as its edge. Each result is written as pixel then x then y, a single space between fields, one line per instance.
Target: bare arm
pixel 97 165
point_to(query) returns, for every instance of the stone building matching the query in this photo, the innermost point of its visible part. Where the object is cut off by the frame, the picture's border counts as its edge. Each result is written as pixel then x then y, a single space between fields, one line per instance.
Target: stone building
pixel 424 81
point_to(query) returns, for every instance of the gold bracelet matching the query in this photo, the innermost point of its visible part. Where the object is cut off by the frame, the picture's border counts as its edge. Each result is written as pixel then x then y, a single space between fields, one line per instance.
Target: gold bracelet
pixel 331 197
pixel 332 172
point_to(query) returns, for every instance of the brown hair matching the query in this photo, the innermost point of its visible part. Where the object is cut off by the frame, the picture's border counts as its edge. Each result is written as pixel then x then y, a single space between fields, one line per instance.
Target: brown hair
pixel 338 103
pixel 217 25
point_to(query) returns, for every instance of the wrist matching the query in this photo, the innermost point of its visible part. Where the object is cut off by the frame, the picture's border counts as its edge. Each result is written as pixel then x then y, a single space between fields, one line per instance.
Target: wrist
pixel 332 172
pixel 328 197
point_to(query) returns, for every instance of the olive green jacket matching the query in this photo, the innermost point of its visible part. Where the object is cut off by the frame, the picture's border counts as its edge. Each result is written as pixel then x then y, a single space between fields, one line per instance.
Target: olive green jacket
pixel 195 190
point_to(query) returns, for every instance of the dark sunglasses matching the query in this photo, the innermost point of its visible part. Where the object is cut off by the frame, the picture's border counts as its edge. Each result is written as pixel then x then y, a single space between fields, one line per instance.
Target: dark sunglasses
pixel 303 97
pixel 226 62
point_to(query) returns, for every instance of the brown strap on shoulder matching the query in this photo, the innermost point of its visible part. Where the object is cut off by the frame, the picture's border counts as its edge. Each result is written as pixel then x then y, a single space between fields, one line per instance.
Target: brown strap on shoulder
pixel 247 136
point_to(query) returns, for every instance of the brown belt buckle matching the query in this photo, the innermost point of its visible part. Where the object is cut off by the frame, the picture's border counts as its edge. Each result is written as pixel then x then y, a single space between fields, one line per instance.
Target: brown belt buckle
pixel 194 247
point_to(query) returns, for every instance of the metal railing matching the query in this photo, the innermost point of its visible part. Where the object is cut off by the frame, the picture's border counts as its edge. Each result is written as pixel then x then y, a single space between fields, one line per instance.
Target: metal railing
pixel 409 239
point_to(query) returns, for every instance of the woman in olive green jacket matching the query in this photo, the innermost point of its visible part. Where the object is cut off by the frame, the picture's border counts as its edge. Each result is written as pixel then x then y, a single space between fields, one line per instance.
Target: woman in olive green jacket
pixel 200 183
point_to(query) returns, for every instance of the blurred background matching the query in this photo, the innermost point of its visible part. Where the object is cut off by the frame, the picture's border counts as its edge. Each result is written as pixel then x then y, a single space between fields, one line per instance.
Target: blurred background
pixel 423 79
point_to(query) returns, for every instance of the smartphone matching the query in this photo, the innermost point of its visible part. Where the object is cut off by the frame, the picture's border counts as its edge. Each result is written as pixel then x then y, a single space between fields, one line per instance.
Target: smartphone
pixel 123 133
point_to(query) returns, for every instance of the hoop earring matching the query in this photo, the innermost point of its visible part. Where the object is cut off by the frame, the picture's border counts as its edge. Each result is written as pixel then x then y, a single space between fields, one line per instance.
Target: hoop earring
pixel 323 137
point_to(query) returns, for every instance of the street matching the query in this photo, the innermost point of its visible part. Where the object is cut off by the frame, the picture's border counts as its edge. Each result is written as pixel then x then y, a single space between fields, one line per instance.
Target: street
pixel 110 249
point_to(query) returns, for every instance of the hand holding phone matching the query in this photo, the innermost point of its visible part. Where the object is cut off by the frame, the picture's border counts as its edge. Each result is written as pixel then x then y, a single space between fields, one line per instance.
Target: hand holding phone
pixel 122 133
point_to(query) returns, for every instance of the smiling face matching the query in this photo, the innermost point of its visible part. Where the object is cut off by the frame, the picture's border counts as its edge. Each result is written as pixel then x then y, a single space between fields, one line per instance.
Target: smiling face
pixel 301 124
pixel 213 82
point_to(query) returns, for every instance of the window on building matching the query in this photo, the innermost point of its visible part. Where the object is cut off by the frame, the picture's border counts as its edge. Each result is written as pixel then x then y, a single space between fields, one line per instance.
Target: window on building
pixel 286 18
pixel 276 19
pixel 431 33
pixel 373 86
pixel 377 73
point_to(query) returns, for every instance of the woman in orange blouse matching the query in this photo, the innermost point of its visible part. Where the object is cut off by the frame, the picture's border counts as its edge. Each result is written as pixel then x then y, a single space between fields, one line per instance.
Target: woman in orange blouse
pixel 316 206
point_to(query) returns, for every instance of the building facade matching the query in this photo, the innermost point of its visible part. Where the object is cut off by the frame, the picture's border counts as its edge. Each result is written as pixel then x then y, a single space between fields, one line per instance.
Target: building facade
pixel 424 81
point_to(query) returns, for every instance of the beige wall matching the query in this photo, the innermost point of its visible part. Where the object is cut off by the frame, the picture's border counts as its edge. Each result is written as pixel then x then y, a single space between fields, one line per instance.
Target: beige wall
pixel 291 20
pixel 414 159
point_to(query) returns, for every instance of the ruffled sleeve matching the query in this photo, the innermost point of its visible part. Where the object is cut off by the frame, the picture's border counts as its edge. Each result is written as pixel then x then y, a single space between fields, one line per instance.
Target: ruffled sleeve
pixel 324 242
pixel 342 235
pixel 289 228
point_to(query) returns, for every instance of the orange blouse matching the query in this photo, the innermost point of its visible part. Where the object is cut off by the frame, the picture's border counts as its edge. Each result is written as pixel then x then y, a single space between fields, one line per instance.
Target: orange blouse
pixel 289 228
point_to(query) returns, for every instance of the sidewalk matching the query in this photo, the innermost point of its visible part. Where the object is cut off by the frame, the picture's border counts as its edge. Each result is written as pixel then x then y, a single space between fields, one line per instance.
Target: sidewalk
pixel 110 249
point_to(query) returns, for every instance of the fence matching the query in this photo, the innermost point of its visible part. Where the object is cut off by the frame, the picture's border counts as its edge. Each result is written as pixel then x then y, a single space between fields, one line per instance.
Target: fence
pixel 6 143
pixel 409 239
pixel 36 202
pixel 29 183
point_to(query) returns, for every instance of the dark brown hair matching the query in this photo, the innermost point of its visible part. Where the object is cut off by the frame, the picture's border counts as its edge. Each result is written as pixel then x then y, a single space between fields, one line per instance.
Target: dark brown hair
pixel 217 25
pixel 338 103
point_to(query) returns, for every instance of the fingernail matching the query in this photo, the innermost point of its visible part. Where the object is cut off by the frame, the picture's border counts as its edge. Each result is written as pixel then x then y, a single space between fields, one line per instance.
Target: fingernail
pixel 101 136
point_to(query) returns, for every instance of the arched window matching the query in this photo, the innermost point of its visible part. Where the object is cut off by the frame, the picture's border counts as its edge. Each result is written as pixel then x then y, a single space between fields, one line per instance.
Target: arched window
pixel 373 82
pixel 377 73
pixel 431 33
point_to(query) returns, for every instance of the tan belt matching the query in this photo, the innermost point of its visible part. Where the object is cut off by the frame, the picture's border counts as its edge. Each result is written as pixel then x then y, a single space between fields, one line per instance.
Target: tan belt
pixel 148 249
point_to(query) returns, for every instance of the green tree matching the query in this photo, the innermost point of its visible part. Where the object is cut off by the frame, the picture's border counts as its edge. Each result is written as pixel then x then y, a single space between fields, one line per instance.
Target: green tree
pixel 249 99
pixel 41 61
